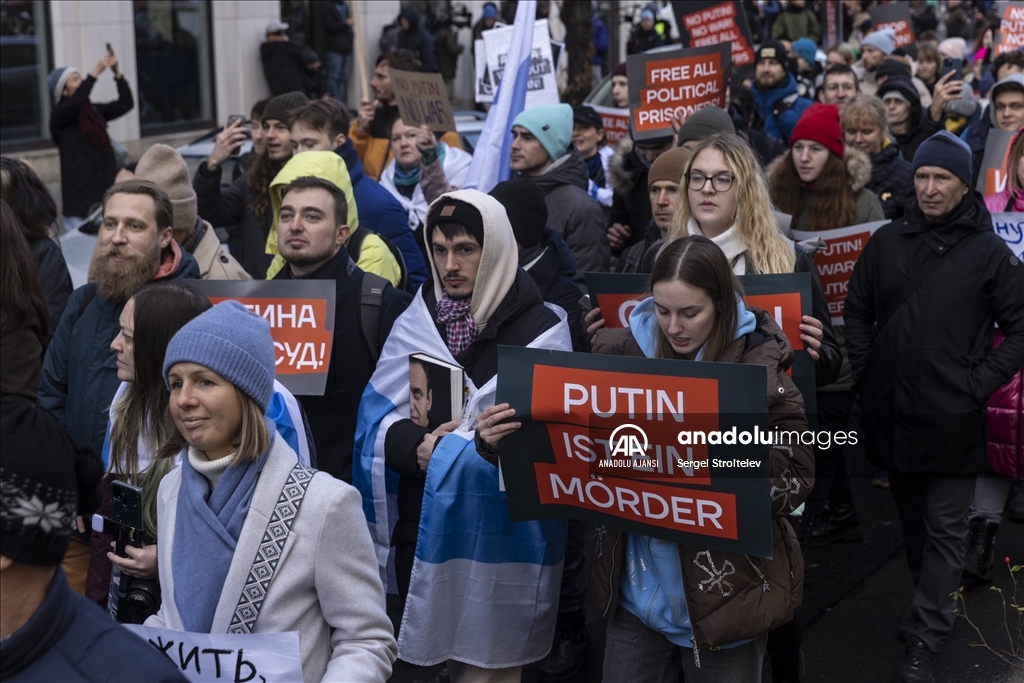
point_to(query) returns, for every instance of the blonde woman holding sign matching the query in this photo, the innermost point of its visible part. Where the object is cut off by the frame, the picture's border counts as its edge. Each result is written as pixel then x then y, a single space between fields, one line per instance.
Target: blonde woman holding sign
pixel 252 541
pixel 666 609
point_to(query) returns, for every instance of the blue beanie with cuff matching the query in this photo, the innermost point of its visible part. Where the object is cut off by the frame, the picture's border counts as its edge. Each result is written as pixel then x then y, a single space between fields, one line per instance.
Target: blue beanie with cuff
pixel 948 152
pixel 551 124
pixel 232 341
pixel 806 48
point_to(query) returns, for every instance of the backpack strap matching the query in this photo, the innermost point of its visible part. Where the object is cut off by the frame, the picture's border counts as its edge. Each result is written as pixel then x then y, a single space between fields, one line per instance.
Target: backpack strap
pixel 914 281
pixel 268 555
pixel 355 242
pixel 371 300
pixel 781 107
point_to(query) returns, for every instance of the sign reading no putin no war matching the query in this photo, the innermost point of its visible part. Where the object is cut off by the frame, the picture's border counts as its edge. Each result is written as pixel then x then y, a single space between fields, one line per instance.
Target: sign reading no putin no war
pixel 603 440
pixel 301 317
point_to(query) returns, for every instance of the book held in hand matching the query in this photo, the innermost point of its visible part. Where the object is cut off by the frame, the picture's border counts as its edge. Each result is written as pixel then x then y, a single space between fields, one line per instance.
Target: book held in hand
pixel 435 391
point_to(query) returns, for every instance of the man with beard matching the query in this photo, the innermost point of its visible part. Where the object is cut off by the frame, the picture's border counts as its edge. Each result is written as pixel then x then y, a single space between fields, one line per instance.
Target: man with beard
pixel 134 246
pixel 775 91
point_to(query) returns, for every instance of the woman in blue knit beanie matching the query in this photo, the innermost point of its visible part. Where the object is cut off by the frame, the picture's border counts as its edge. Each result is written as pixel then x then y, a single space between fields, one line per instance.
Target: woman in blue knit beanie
pixel 245 547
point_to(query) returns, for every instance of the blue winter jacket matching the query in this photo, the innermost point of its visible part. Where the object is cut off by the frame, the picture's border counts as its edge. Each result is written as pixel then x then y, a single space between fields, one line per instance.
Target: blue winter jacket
pixel 767 101
pixel 381 213
pixel 79 377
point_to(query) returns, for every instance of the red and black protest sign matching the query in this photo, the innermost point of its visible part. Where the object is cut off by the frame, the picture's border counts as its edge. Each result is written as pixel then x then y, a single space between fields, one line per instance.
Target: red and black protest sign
pixel 301 317
pixel 836 254
pixel 785 297
pixel 896 15
pixel 666 448
pixel 714 22
pixel 993 177
pixel 616 123
pixel 1010 35
pixel 676 83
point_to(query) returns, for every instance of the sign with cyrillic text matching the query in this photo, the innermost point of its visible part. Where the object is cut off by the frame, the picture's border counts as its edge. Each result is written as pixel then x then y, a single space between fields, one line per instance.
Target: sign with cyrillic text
pixel 228 657
pixel 835 254
pixel 674 449
pixel 1010 35
pixel 676 83
pixel 1010 226
pixel 422 99
pixel 616 123
pixel 301 317
pixel 713 22
pixel 896 15
pixel 541 87
pixel 992 177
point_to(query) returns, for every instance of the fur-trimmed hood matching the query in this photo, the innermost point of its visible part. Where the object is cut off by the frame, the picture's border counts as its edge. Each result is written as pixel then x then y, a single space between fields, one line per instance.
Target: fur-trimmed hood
pixel 622 169
pixel 858 166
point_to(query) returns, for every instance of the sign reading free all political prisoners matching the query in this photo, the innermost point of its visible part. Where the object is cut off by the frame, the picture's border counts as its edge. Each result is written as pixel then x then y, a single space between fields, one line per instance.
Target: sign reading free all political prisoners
pixel 301 317
pixel 666 448
pixel 674 83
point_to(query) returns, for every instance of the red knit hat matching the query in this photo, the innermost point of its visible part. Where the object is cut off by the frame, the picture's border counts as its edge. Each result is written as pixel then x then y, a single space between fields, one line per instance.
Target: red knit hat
pixel 820 123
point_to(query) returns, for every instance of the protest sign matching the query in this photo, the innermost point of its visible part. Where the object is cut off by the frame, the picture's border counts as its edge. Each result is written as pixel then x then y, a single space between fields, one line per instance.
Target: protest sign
pixel 541 87
pixel 836 254
pixel 992 178
pixel 785 297
pixel 714 22
pixel 422 99
pixel 228 657
pixel 1010 35
pixel 301 317
pixel 896 15
pixel 483 90
pixel 665 448
pixel 616 123
pixel 674 83
pixel 1010 226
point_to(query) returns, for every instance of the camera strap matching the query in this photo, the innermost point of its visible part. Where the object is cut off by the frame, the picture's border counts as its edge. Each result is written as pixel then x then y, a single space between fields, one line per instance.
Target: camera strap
pixel 268 555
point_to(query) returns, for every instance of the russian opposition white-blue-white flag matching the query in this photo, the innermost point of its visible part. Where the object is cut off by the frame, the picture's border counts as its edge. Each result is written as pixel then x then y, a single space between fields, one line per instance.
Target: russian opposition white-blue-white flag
pixel 491 157
pixel 483 590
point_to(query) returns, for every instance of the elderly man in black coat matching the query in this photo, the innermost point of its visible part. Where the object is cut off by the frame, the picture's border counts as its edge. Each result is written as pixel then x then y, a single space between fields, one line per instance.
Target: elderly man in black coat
pixel 923 301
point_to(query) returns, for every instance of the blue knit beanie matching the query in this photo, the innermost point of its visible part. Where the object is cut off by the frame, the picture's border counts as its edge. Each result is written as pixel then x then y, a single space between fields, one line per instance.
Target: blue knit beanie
pixel 551 124
pixel 884 40
pixel 805 47
pixel 946 151
pixel 57 79
pixel 232 341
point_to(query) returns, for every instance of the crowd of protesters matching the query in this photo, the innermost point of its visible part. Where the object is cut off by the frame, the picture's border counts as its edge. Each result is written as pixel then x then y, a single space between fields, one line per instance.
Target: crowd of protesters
pixel 137 379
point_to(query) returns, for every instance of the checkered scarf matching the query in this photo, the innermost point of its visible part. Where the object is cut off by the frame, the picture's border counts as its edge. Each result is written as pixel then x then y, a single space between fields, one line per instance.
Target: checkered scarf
pixel 458 321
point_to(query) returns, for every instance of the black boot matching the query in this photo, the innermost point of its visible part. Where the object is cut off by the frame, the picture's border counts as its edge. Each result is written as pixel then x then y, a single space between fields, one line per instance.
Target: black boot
pixel 839 523
pixel 981 543
pixel 568 652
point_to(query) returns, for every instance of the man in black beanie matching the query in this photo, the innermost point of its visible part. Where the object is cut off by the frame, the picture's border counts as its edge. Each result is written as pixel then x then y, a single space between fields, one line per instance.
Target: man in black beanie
pixel 924 299
pixel 48 632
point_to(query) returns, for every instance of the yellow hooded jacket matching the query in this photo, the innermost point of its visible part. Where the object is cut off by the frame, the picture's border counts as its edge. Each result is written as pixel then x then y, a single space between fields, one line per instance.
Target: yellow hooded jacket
pixel 374 255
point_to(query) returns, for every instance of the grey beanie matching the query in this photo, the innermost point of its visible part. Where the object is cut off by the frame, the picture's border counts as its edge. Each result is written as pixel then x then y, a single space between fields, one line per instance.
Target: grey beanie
pixel 232 341
pixel 57 79
pixel 705 122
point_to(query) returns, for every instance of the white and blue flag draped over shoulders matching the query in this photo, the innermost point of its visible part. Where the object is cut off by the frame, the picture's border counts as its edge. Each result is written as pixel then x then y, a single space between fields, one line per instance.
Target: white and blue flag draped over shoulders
pixel 283 409
pixel 490 164
pixel 483 590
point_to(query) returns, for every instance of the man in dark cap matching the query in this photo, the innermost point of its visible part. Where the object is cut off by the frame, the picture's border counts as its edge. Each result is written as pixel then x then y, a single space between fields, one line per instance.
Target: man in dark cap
pixel 923 301
pixel 775 91
pixel 48 632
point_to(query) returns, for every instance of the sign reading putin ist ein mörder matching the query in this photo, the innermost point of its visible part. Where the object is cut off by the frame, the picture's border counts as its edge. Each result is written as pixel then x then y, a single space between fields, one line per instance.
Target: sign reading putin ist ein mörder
pixel 666 448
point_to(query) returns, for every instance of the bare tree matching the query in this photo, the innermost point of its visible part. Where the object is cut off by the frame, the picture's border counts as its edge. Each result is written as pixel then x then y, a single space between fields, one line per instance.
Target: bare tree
pixel 575 15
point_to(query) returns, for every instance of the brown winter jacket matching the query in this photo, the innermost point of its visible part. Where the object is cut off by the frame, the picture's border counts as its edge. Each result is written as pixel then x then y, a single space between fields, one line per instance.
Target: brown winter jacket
pixel 757 595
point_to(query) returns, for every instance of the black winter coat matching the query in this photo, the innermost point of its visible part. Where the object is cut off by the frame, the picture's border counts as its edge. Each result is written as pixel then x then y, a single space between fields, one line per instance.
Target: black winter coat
pixel 921 125
pixel 85 171
pixel 552 267
pixel 232 208
pixel 892 180
pixel 54 278
pixel 925 378
pixel 519 319
pixel 69 639
pixel 338 34
pixel 285 68
pixel 417 40
pixel 631 203
pixel 332 417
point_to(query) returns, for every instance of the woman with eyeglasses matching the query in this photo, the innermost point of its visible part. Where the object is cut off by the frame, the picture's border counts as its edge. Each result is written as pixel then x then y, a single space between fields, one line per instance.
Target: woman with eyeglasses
pixel 822 181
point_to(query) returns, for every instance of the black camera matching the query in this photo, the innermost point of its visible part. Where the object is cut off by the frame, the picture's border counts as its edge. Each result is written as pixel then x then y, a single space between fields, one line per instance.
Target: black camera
pixel 137 599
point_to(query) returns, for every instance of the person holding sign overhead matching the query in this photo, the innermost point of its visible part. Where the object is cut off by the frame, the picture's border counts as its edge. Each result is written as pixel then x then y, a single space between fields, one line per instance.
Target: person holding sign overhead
pixel 216 510
pixel 670 606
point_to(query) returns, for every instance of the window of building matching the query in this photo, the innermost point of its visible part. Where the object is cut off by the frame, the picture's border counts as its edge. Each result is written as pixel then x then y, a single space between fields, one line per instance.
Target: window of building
pixel 173 53
pixel 24 64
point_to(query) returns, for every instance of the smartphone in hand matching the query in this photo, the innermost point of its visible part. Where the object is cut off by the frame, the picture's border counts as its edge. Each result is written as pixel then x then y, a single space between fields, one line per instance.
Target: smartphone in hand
pixel 955 65
pixel 231 121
